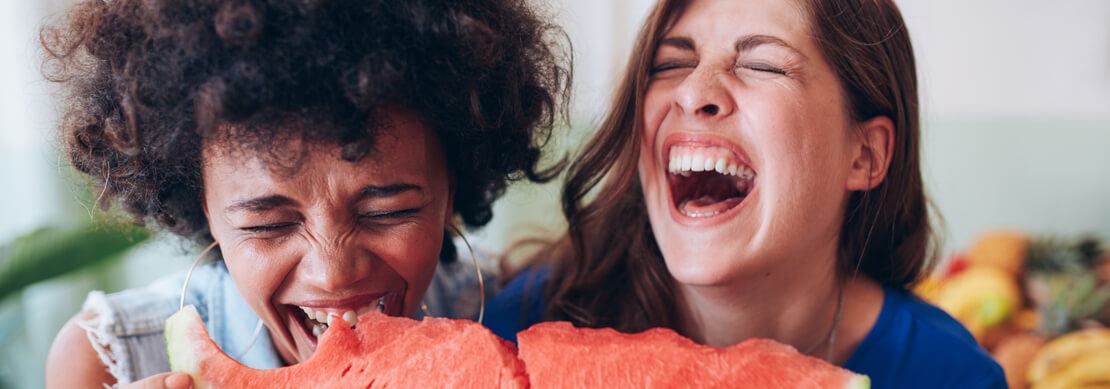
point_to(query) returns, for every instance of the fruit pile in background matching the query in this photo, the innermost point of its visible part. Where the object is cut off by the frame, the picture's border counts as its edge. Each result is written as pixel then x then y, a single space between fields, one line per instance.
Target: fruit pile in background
pixel 1039 305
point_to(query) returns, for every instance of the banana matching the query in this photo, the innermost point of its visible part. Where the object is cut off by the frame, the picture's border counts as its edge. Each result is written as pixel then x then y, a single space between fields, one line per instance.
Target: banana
pixel 1060 354
pixel 1090 370
pixel 980 297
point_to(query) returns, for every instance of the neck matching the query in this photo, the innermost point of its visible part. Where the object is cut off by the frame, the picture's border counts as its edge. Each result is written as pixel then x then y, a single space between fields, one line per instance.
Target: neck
pixel 791 304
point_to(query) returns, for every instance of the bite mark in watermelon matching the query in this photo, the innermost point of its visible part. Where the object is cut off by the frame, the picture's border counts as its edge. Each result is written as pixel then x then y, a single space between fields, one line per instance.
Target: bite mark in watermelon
pixel 558 355
pixel 381 352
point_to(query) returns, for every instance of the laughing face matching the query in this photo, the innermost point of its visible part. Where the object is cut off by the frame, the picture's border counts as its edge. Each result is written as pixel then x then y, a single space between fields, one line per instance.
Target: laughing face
pixel 747 155
pixel 332 239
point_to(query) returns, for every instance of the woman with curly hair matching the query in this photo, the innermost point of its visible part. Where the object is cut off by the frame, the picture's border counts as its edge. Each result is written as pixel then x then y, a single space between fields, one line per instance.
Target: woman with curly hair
pixel 323 149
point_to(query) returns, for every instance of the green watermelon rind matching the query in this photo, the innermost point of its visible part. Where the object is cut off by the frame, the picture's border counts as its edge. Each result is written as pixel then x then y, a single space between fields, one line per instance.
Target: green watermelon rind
pixel 181 350
pixel 859 381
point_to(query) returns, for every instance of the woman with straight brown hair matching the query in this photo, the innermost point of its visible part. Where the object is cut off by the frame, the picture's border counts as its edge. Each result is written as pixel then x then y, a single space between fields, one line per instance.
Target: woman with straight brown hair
pixel 759 176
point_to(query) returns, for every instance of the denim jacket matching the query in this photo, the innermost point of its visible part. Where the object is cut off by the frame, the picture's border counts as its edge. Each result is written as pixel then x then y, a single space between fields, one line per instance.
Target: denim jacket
pixel 127 330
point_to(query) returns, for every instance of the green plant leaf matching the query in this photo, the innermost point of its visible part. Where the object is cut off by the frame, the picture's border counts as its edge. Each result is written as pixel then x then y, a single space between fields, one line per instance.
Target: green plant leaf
pixel 50 252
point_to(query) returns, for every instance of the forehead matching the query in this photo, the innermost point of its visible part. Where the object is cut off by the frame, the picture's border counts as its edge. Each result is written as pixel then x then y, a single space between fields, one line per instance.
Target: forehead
pixel 403 148
pixel 722 22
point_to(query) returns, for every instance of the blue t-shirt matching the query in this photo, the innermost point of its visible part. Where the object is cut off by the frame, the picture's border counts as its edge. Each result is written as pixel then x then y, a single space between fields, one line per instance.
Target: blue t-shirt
pixel 912 345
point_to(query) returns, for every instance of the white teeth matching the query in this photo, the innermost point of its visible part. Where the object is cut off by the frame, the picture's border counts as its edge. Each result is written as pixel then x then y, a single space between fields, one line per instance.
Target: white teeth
pixel 687 159
pixel 697 164
pixel 319 320
pixel 696 214
pixel 747 173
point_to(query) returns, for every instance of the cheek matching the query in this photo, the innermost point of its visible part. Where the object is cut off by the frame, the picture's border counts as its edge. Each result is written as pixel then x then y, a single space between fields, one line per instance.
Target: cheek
pixel 654 111
pixel 258 270
pixel 413 253
pixel 806 169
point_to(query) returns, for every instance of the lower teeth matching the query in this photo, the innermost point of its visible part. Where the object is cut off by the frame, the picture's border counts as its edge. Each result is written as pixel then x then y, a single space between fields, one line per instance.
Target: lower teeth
pixel 319 329
pixel 691 213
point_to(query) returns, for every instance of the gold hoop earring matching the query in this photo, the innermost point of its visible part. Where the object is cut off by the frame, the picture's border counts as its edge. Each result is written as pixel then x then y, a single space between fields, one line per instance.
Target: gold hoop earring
pixel 189 275
pixel 185 289
pixel 477 270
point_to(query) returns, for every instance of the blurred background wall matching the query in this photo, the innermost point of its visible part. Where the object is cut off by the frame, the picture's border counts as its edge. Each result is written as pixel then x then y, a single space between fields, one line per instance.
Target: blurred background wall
pixel 1016 113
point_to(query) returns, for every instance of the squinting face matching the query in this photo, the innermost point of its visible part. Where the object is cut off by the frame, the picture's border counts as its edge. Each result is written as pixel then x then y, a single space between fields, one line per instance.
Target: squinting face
pixel 746 148
pixel 333 238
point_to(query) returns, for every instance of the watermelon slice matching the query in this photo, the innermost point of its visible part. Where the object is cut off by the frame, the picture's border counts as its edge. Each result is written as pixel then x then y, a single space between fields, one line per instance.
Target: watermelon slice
pixel 385 351
pixel 382 351
pixel 558 355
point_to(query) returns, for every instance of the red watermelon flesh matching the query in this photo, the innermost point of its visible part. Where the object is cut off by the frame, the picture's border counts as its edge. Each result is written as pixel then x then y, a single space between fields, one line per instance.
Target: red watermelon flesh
pixel 382 351
pixel 386 351
pixel 558 355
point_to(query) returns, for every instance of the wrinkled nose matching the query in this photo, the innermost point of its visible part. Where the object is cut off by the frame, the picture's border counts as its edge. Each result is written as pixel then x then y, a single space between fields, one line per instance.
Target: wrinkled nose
pixel 703 95
pixel 337 264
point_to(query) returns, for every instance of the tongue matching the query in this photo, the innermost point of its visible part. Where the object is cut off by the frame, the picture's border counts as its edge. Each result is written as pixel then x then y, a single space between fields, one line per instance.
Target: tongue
pixel 708 205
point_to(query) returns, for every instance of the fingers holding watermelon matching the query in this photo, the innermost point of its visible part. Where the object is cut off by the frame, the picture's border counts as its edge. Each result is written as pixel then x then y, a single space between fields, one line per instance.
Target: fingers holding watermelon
pixel 162 381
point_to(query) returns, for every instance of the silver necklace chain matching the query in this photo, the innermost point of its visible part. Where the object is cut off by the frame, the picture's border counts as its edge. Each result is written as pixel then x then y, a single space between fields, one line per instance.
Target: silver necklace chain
pixel 830 338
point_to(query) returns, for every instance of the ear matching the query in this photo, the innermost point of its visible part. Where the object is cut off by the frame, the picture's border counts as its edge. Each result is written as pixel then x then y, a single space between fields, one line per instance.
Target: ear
pixel 872 148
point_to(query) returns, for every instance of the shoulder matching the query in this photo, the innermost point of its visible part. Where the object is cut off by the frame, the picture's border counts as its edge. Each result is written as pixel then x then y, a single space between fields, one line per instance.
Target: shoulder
pixel 912 341
pixel 459 288
pixel 520 303
pixel 123 331
pixel 72 361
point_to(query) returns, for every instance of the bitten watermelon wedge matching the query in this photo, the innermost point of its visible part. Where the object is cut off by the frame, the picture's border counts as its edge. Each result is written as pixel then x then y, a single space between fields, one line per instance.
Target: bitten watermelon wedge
pixel 558 355
pixel 386 351
pixel 383 352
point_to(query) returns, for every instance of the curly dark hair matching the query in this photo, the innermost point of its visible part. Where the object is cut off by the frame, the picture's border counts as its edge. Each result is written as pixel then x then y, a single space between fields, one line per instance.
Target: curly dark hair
pixel 147 81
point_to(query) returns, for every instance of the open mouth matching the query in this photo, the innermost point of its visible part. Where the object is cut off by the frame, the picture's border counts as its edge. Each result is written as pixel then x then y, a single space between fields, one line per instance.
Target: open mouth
pixel 313 321
pixel 706 181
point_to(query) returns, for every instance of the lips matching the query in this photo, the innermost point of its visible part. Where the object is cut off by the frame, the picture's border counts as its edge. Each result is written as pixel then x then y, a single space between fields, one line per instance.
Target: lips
pixel 707 176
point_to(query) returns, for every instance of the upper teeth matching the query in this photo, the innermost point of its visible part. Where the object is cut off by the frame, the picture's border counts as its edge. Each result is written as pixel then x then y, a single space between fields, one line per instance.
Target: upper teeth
pixel 322 318
pixel 685 159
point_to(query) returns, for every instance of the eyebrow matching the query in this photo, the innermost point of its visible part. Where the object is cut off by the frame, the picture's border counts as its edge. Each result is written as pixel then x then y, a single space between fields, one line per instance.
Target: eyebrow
pixel 259 204
pixel 749 42
pixel 742 44
pixel 266 203
pixel 387 190
pixel 678 42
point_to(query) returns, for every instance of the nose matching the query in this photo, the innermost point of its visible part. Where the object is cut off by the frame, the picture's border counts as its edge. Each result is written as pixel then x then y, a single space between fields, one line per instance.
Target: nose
pixel 337 264
pixel 703 95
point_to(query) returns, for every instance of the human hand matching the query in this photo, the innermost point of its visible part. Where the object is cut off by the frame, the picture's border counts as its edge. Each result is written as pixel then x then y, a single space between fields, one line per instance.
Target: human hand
pixel 169 380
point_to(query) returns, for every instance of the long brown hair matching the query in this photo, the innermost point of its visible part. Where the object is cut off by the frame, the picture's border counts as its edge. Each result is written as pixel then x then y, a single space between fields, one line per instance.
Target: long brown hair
pixel 608 270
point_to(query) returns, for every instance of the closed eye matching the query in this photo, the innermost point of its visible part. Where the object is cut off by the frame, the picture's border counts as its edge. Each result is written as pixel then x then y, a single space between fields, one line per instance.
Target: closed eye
pixel 667 66
pixel 764 68
pixel 269 227
pixel 387 216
